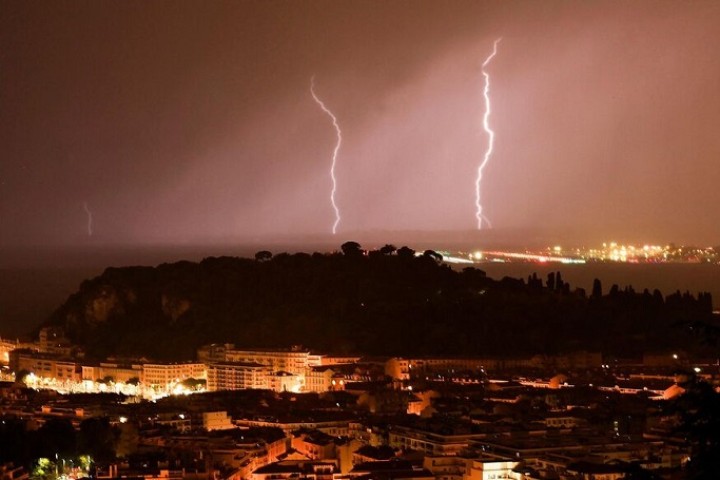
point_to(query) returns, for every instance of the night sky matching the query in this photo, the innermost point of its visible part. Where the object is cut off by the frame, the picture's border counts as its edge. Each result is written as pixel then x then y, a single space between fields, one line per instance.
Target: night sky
pixel 182 122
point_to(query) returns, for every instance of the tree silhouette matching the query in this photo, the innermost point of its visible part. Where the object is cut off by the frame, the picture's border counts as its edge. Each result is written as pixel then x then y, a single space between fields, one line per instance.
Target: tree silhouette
pixel 698 413
pixel 263 255
pixel 388 249
pixel 57 437
pixel 551 281
pixel 433 255
pixel 128 439
pixel 405 252
pixel 351 249
pixel 97 438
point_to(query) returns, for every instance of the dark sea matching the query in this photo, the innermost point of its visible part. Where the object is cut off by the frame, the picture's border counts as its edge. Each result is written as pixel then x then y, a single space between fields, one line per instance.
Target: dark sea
pixel 33 283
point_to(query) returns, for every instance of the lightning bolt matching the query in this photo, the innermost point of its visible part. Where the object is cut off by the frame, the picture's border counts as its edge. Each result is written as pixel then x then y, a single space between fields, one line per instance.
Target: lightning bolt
pixel 491 138
pixel 334 155
pixel 89 219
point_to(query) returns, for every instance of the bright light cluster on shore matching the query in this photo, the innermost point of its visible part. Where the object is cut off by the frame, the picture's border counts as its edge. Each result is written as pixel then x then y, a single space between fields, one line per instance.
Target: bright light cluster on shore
pixel 609 252
pixel 628 253
pixel 499 256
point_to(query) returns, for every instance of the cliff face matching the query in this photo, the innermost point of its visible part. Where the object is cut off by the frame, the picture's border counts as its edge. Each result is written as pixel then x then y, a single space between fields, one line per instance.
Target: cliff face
pixel 174 307
pixel 106 303
pixel 92 306
pixel 118 298
pixel 379 304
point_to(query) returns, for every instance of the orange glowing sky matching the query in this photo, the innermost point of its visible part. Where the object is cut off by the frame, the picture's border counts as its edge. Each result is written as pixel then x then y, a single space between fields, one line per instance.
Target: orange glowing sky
pixel 193 121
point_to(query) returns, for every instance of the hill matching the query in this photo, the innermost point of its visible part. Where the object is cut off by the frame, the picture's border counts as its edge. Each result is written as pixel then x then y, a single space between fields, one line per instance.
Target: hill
pixel 378 302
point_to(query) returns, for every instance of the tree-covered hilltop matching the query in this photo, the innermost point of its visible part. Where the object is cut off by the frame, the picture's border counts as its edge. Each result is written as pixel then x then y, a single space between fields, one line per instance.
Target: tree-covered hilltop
pixel 386 301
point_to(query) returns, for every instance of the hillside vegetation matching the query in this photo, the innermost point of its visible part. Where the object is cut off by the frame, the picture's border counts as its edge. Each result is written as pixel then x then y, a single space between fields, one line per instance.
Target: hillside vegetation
pixel 381 302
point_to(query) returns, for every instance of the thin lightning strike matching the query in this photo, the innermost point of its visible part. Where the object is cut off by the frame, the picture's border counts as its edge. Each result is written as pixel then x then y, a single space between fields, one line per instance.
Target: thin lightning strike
pixel 334 155
pixel 89 219
pixel 491 138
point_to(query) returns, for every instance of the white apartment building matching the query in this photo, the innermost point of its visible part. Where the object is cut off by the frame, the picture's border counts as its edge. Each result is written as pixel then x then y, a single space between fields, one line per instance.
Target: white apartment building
pixel 237 376
pixel 289 367
pixel 291 360
pixel 481 467
pixel 163 374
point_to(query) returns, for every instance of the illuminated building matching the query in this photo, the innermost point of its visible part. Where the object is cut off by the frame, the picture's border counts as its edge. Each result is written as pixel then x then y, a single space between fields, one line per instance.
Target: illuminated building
pixel 441 442
pixel 396 469
pixel 481 467
pixel 285 382
pixel 314 444
pixel 216 421
pixel 296 470
pixel 7 346
pixel 163 374
pixel 293 360
pixel 398 368
pixel 323 379
pixel 288 367
pixel 403 369
pixel 338 359
pixel 237 376
pixel 116 372
pixel 44 365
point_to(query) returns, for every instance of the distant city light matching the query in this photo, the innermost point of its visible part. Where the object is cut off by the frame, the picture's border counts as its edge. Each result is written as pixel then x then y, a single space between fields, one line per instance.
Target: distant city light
pixel 609 252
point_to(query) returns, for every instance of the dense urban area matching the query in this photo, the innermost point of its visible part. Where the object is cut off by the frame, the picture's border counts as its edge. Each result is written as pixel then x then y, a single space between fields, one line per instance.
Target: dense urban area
pixel 243 411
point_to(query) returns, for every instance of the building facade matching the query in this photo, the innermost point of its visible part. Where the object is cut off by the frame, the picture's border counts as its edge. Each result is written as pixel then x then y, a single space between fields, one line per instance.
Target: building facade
pixel 237 376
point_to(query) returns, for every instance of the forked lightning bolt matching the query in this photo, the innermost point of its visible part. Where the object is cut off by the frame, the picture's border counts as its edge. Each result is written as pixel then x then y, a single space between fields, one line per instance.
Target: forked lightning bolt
pixel 89 219
pixel 334 155
pixel 491 138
